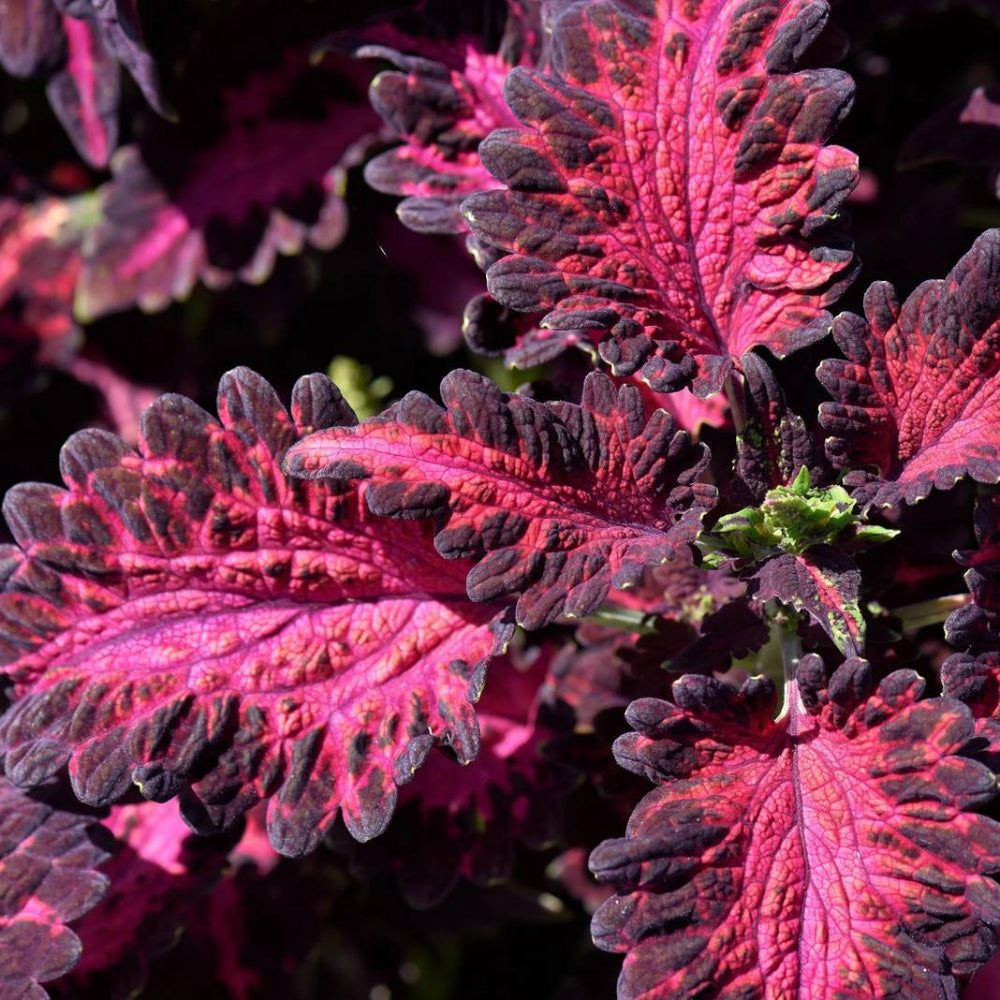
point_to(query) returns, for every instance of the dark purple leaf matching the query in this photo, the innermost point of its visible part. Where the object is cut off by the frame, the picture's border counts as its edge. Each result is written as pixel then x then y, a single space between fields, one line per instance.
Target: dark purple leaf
pixel 48 877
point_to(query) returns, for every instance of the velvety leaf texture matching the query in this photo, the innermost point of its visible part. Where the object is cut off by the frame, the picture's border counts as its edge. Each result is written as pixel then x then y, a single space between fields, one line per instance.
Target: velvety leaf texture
pixel 775 442
pixel 557 501
pixel 442 112
pixel 823 583
pixel 465 822
pixel 978 624
pixel 832 853
pixel 189 621
pixel 48 877
pixel 267 179
pixel 918 398
pixel 670 186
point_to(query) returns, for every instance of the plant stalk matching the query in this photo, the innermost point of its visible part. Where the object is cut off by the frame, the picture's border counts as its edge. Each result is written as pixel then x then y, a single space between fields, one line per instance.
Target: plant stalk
pixel 932 612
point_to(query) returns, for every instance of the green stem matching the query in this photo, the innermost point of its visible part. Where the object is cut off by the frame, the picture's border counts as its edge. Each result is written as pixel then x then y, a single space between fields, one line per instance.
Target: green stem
pixel 626 619
pixel 932 612
pixel 791 653
pixel 791 650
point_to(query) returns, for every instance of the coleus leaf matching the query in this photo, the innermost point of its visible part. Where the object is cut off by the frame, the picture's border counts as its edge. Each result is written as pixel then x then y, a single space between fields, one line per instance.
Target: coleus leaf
pixel 918 397
pixel 121 29
pixel 774 443
pixel 221 201
pixel 84 93
pixel 159 875
pixel 78 44
pixel 735 630
pixel 978 624
pixel 823 583
pixel 830 852
pixel 557 501
pixel 30 38
pixel 188 620
pixel 39 265
pixel 442 110
pixel 465 822
pixel 49 860
pixel 686 245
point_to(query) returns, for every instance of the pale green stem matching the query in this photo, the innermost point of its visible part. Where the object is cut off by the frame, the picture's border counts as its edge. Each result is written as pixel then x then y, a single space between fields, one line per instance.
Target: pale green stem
pixel 932 612
pixel 626 619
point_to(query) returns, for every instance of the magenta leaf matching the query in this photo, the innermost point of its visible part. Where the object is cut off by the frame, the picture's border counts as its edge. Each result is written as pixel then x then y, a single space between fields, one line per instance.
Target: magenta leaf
pixel 189 621
pixel 39 265
pixel 557 501
pixel 228 197
pixel 833 852
pixel 84 94
pixel 685 246
pixel 457 822
pixel 78 45
pixel 48 876
pixel 918 398
pixel 442 112
pixel 823 583
pixel 121 29
pixel 159 876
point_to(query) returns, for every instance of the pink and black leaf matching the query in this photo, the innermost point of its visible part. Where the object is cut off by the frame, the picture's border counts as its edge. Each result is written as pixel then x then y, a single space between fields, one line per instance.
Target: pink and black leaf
pixel 836 850
pixel 677 247
pixel 442 110
pixel 49 861
pixel 187 620
pixel 917 401
pixel 823 583
pixel 258 173
pixel 557 501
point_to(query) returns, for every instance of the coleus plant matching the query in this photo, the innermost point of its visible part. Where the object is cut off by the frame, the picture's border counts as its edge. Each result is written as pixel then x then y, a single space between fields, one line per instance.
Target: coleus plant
pixel 410 645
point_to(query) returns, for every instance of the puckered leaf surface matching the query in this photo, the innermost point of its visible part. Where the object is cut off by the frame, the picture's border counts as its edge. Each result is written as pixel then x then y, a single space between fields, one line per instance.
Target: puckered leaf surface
pixel 48 877
pixel 220 201
pixel 775 442
pixel 188 620
pixel 669 184
pixel 557 501
pixel 823 583
pixel 442 111
pixel 918 398
pixel 465 822
pixel 830 853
